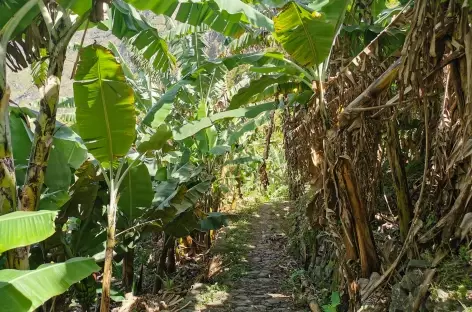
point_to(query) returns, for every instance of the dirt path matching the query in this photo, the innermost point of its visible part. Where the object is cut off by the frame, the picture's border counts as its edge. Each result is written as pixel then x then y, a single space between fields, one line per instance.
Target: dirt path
pixel 255 263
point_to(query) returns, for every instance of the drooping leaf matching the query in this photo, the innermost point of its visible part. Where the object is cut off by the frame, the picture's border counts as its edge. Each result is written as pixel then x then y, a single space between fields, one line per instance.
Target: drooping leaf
pixel 105 111
pixel 155 141
pixel 191 196
pixel 308 35
pixel 192 128
pixel 226 17
pixel 27 290
pixel 182 224
pixel 161 115
pixel 185 172
pixel 15 17
pixel 126 70
pixel 167 98
pixel 246 94
pixel 249 126
pixel 136 192
pixel 83 192
pixel 21 143
pixel 127 23
pixel 214 221
pixel 164 192
pixel 23 228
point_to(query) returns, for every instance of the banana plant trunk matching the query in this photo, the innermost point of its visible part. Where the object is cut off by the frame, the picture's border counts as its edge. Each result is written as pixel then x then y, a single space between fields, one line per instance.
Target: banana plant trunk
pixel 161 267
pixel 404 205
pixel 43 136
pixel 8 196
pixel 128 269
pixel 110 245
pixel 60 33
pixel 39 156
pixel 352 201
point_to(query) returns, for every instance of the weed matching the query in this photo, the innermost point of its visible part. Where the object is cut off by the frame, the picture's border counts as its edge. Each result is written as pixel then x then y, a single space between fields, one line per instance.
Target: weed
pixel 335 301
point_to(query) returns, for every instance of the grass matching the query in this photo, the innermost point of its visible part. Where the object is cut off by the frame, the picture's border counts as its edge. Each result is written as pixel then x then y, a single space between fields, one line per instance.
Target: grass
pixel 212 292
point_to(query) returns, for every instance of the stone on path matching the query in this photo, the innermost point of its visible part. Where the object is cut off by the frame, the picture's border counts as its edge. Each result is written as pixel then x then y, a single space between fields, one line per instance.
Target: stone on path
pixel 260 289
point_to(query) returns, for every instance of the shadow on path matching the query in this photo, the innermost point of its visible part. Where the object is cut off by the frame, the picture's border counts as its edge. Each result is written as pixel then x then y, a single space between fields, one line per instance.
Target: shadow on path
pixel 252 265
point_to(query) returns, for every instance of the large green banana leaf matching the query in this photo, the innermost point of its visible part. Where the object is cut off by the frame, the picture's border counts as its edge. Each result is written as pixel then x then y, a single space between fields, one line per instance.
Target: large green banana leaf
pixel 23 228
pixel 228 17
pixel 194 127
pixel 105 105
pixel 308 35
pixel 22 291
pixel 136 192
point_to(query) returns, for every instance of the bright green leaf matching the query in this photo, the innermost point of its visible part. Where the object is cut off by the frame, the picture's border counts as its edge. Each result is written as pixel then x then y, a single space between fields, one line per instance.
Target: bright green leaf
pixel 28 290
pixel 23 228
pixel 136 192
pixel 105 111
pixel 308 35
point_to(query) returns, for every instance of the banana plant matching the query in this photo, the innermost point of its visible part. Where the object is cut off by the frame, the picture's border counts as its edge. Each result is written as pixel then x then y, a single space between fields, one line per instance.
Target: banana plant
pixel 106 121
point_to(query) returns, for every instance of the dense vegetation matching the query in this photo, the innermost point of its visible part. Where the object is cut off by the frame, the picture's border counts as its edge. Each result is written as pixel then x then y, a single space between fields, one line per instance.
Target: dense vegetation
pixel 373 101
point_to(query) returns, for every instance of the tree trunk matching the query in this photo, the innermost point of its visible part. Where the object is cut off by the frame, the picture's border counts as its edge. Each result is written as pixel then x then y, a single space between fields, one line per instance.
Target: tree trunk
pixel 43 136
pixel 263 168
pixel 128 269
pixel 17 258
pixel 364 238
pixel 170 264
pixel 8 196
pixel 395 158
pixel 168 240
pixel 60 35
pixel 139 284
pixel 110 245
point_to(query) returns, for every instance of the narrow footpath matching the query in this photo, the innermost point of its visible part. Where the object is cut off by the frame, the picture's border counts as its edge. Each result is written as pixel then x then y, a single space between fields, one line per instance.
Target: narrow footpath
pixel 256 266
